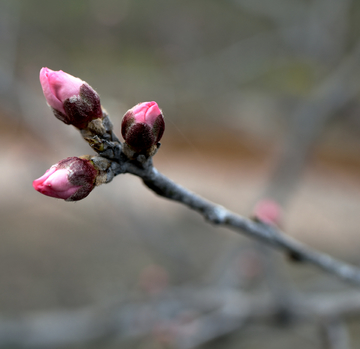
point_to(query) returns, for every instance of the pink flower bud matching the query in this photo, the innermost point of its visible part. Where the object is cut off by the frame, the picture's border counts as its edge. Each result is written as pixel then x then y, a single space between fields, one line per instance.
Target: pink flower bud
pixel 71 179
pixel 268 211
pixel 73 101
pixel 143 126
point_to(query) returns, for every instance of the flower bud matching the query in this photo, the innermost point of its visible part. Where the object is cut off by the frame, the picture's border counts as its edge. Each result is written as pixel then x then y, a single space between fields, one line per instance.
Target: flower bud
pixel 71 179
pixel 143 126
pixel 268 211
pixel 72 100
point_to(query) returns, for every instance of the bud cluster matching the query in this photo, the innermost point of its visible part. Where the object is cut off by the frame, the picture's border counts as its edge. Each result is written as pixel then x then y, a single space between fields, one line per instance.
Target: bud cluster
pixel 76 103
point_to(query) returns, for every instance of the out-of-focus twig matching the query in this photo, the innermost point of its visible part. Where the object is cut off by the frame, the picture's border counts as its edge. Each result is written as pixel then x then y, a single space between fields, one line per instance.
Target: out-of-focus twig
pixel 315 34
pixel 187 316
pixel 308 121
pixel 334 334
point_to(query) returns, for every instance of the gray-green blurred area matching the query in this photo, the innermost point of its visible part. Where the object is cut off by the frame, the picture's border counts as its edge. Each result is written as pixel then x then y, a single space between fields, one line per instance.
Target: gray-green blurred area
pixel 261 99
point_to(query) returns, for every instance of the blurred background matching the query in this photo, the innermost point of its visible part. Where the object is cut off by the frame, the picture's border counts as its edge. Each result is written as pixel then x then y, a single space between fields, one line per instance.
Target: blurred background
pixel 261 100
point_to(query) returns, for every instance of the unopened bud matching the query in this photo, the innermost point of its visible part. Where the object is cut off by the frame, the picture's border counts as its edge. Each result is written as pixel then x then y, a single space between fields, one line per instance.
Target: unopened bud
pixel 71 179
pixel 72 100
pixel 268 211
pixel 143 126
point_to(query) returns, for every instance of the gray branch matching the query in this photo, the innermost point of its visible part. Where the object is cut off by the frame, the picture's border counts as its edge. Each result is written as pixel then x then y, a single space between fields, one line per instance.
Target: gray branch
pixel 219 215
pixel 142 167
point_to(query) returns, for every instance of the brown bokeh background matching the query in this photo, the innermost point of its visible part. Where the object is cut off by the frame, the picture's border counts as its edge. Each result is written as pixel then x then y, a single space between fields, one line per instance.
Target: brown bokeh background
pixel 229 76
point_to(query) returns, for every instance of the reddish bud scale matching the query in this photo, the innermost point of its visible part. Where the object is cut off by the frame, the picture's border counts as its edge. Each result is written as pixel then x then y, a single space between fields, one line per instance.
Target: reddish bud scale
pixel 80 110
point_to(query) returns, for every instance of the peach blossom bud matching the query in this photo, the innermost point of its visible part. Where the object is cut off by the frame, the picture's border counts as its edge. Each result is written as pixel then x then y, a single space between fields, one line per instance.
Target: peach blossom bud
pixel 71 179
pixel 72 100
pixel 268 211
pixel 143 126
